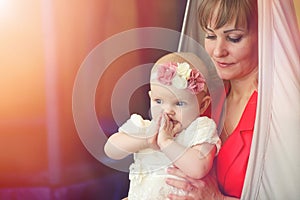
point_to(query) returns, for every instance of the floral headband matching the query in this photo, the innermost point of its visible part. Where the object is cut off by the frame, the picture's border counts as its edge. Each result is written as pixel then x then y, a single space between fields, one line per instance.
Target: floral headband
pixel 181 76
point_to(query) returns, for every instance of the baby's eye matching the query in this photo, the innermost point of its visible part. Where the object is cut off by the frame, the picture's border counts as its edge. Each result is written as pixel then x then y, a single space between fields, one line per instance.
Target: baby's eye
pixel 158 101
pixel 181 103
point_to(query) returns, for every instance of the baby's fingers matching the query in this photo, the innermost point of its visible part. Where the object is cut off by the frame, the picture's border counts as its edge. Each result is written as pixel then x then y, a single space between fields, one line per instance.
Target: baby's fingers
pixel 176 128
pixel 165 123
pixel 162 123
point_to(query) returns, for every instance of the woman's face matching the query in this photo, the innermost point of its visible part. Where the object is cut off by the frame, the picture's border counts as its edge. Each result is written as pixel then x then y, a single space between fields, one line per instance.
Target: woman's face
pixel 234 51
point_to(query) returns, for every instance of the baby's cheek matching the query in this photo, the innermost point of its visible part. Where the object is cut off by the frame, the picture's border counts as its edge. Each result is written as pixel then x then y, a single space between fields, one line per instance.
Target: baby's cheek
pixel 156 112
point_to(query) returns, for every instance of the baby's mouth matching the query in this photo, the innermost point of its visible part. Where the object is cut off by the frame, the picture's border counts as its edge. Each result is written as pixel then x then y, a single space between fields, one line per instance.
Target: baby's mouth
pixel 174 122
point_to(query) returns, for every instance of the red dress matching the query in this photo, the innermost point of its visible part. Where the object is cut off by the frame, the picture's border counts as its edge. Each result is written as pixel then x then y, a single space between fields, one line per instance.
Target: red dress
pixel 233 157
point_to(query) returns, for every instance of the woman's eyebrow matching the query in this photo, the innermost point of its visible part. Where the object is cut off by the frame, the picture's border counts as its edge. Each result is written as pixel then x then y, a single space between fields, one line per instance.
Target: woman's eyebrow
pixel 226 31
pixel 235 29
pixel 209 29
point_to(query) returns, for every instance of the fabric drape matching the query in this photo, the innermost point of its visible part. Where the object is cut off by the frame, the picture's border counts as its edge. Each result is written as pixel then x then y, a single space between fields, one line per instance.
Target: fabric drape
pixel 273 169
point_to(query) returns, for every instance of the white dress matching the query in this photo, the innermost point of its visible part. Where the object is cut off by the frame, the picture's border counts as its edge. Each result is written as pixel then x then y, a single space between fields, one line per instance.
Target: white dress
pixel 148 172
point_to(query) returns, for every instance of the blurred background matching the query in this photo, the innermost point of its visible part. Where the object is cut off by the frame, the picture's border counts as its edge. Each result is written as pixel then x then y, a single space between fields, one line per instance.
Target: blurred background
pixel 43 43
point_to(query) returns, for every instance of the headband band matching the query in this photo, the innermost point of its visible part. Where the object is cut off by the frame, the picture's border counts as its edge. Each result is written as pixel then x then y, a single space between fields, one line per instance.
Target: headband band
pixel 181 76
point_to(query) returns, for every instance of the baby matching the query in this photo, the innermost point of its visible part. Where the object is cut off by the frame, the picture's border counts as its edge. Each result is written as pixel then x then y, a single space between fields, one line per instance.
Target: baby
pixel 177 134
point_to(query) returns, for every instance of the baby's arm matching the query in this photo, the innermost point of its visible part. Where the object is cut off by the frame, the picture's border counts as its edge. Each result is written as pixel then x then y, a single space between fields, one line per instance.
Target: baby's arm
pixel 134 135
pixel 191 160
pixel 194 161
pixel 120 145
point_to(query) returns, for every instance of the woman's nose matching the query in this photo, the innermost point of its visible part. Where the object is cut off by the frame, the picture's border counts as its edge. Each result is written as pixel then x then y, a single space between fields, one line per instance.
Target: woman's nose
pixel 220 49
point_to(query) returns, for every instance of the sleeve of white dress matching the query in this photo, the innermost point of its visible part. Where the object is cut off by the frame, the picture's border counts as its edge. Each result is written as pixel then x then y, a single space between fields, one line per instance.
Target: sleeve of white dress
pixel 274 163
pixel 137 126
pixel 203 130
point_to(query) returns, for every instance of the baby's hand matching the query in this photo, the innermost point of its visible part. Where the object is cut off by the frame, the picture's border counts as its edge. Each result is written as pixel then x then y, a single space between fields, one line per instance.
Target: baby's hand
pixel 152 142
pixel 167 131
pixel 152 133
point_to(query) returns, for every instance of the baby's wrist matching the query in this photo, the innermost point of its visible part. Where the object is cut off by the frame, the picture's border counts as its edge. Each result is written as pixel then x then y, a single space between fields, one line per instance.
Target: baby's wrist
pixel 173 150
pixel 165 143
pixel 151 143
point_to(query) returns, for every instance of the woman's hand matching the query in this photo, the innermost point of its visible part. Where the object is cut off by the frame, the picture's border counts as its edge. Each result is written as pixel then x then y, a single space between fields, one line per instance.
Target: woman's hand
pixel 196 189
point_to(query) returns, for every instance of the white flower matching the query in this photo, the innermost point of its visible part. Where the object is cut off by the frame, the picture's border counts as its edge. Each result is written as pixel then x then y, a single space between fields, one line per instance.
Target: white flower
pixel 179 82
pixel 183 70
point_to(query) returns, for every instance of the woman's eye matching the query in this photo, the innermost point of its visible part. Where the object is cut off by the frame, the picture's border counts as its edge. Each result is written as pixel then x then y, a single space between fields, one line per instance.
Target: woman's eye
pixel 210 37
pixel 235 39
pixel 181 103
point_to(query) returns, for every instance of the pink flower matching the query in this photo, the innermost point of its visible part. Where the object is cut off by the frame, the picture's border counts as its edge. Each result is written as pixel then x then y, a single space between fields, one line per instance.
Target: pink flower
pixel 196 82
pixel 165 73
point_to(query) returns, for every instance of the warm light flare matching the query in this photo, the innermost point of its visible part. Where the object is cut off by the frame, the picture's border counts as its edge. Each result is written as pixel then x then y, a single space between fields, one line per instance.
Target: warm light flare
pixel 22 87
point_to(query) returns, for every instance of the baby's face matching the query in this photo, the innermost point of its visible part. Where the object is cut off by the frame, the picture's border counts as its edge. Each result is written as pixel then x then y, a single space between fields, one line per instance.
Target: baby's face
pixel 179 104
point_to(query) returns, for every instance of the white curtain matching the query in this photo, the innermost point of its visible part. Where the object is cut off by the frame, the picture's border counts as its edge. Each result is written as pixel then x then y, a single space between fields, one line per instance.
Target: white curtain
pixel 274 164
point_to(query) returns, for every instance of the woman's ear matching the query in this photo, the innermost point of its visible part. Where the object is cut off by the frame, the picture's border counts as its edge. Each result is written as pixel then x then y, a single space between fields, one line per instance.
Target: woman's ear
pixel 205 103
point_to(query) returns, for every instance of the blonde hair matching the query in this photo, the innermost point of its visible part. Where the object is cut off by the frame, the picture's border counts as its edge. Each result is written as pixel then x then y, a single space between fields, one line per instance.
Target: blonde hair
pixel 241 12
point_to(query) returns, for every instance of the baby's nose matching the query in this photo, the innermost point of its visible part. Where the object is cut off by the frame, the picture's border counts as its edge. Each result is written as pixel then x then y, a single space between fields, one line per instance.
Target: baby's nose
pixel 169 110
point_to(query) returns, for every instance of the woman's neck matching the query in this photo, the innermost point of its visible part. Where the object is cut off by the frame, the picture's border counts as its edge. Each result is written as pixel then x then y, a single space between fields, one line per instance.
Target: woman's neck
pixel 243 88
pixel 236 101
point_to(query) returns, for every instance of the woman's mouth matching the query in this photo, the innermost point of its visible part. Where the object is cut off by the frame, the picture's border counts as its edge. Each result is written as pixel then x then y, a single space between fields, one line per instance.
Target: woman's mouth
pixel 223 64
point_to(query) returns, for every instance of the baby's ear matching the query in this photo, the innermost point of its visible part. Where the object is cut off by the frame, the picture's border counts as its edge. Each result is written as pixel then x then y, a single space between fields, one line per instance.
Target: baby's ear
pixel 205 103
pixel 149 93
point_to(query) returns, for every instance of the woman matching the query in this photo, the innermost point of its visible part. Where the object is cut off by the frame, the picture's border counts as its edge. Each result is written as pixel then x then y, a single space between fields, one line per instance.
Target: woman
pixel 232 42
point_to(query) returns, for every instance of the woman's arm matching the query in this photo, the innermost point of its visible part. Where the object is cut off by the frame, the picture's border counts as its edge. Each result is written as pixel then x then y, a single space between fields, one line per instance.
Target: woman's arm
pixel 120 145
